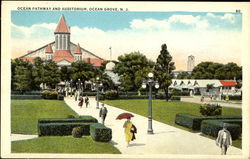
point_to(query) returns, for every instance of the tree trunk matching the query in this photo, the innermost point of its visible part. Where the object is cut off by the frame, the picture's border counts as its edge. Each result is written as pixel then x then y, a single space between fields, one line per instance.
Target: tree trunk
pixel 166 93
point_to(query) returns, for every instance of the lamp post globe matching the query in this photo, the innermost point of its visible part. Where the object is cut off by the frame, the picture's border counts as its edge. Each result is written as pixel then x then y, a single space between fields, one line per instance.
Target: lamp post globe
pixel 150 75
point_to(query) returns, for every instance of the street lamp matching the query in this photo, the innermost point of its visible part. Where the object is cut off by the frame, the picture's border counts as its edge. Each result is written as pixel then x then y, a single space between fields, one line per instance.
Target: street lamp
pixel 150 82
pixel 71 83
pixel 98 85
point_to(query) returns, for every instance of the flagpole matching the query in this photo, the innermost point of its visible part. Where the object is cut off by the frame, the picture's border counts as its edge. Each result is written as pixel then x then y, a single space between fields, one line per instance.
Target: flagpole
pixel 110 53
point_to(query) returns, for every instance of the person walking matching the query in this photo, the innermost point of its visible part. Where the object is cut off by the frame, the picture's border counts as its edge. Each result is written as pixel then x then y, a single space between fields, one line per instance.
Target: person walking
pixel 127 130
pixel 80 102
pixel 224 140
pixel 103 113
pixel 76 95
pixel 86 101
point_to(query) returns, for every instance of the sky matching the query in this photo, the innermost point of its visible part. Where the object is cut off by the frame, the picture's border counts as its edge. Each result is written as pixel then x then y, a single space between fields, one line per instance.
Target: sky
pixel 209 36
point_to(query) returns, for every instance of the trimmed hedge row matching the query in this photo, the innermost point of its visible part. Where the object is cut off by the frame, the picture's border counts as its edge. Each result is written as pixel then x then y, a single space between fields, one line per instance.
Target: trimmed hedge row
pixel 194 122
pixel 23 97
pixel 212 127
pixel 175 98
pixel 101 133
pixel 84 119
pixel 61 129
pixel 26 93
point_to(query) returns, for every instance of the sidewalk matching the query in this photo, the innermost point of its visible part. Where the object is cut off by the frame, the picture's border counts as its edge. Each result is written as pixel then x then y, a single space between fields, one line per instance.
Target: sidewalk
pixel 196 99
pixel 165 140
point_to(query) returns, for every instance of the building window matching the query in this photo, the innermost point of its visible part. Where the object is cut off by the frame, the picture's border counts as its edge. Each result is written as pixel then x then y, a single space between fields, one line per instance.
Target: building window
pixel 78 57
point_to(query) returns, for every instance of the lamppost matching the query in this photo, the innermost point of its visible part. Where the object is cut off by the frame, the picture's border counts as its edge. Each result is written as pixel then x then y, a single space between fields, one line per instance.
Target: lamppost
pixel 150 82
pixel 98 84
pixel 71 83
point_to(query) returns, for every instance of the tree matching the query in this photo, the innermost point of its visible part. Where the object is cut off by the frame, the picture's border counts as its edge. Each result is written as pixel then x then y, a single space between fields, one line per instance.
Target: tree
pixel 132 69
pixel 51 74
pixel 21 75
pixel 206 70
pixel 38 73
pixel 184 75
pixel 83 71
pixel 65 73
pixel 229 71
pixel 163 69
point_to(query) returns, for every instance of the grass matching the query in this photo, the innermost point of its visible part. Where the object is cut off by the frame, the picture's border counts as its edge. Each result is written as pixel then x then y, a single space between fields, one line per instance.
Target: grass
pixel 25 113
pixel 65 144
pixel 165 112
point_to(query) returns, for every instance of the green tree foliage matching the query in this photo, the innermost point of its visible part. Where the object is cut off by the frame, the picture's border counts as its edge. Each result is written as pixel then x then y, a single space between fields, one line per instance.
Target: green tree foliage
pixel 184 75
pixel 51 74
pixel 206 70
pixel 83 71
pixel 163 69
pixel 38 72
pixel 211 70
pixel 229 72
pixel 65 73
pixel 21 76
pixel 132 69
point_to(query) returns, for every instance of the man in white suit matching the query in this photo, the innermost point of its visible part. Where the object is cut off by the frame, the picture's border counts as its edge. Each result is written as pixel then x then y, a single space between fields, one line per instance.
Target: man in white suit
pixel 224 139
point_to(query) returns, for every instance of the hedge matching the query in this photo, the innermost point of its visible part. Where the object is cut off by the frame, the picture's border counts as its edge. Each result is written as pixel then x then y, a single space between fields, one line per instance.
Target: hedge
pixel 83 119
pixel 22 97
pixel 88 93
pixel 175 98
pixel 231 97
pixel 101 133
pixel 26 93
pixel 194 122
pixel 61 129
pixel 212 127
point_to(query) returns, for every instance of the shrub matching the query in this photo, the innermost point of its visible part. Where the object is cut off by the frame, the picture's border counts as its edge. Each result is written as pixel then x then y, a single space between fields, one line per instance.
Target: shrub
pixel 77 132
pixel 175 98
pixel 88 119
pixel 26 93
pixel 177 92
pixel 60 97
pixel 61 129
pixel 111 94
pixel 133 97
pixel 88 93
pixel 210 110
pixel 194 122
pixel 212 127
pixel 99 132
pixel 81 119
pixel 22 97
pixel 70 116
pixel 49 94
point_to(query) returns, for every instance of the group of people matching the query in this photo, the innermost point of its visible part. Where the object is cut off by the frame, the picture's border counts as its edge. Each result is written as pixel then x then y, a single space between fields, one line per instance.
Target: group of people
pixel 82 100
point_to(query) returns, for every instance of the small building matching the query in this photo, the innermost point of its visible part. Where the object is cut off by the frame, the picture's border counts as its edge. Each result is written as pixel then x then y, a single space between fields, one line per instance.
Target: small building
pixel 199 86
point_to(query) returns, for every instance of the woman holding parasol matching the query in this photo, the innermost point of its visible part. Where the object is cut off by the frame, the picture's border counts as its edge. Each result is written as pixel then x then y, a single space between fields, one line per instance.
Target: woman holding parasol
pixel 128 126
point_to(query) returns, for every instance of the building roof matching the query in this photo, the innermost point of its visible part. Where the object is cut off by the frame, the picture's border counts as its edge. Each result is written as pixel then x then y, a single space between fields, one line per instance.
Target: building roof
pixel 78 50
pixel 94 62
pixel 60 55
pixel 228 83
pixel 30 59
pixel 195 82
pixel 48 49
pixel 62 26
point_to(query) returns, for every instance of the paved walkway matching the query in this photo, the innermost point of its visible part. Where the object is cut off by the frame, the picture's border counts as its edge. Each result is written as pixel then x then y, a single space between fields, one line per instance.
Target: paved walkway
pixel 17 137
pixel 165 140
pixel 196 99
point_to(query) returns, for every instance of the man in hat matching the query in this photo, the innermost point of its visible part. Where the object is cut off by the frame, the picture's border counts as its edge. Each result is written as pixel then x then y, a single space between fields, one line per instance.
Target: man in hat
pixel 224 139
pixel 103 113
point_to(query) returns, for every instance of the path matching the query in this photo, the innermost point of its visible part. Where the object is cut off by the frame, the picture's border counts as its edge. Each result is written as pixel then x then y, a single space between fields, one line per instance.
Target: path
pixel 17 137
pixel 165 140
pixel 196 99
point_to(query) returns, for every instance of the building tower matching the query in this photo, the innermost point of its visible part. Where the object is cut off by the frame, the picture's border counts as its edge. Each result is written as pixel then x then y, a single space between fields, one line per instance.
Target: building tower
pixel 190 63
pixel 62 35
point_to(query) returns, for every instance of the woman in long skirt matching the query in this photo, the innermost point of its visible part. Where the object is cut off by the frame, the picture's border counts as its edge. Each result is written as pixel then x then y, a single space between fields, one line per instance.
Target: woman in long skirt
pixel 128 135
pixel 80 102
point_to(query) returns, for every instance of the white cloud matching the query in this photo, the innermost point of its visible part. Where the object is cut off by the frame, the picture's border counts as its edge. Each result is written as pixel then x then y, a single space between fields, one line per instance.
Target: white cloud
pixel 229 17
pixel 145 36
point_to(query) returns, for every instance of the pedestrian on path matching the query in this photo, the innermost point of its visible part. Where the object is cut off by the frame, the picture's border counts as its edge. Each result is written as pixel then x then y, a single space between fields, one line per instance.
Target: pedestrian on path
pixel 86 101
pixel 128 135
pixel 103 113
pixel 80 102
pixel 76 95
pixel 202 98
pixel 224 140
pixel 133 130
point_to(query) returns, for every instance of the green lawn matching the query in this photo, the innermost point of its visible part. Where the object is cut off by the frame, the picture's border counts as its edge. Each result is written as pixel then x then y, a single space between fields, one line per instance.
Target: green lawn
pixel 25 113
pixel 165 112
pixel 65 144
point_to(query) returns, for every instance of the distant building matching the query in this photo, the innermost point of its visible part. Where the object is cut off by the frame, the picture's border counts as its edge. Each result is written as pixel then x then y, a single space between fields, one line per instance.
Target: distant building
pixel 62 50
pixel 199 86
pixel 190 63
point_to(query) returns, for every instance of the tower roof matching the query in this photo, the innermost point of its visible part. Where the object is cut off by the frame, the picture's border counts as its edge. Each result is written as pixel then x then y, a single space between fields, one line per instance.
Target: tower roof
pixel 62 26
pixel 78 50
pixel 48 49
